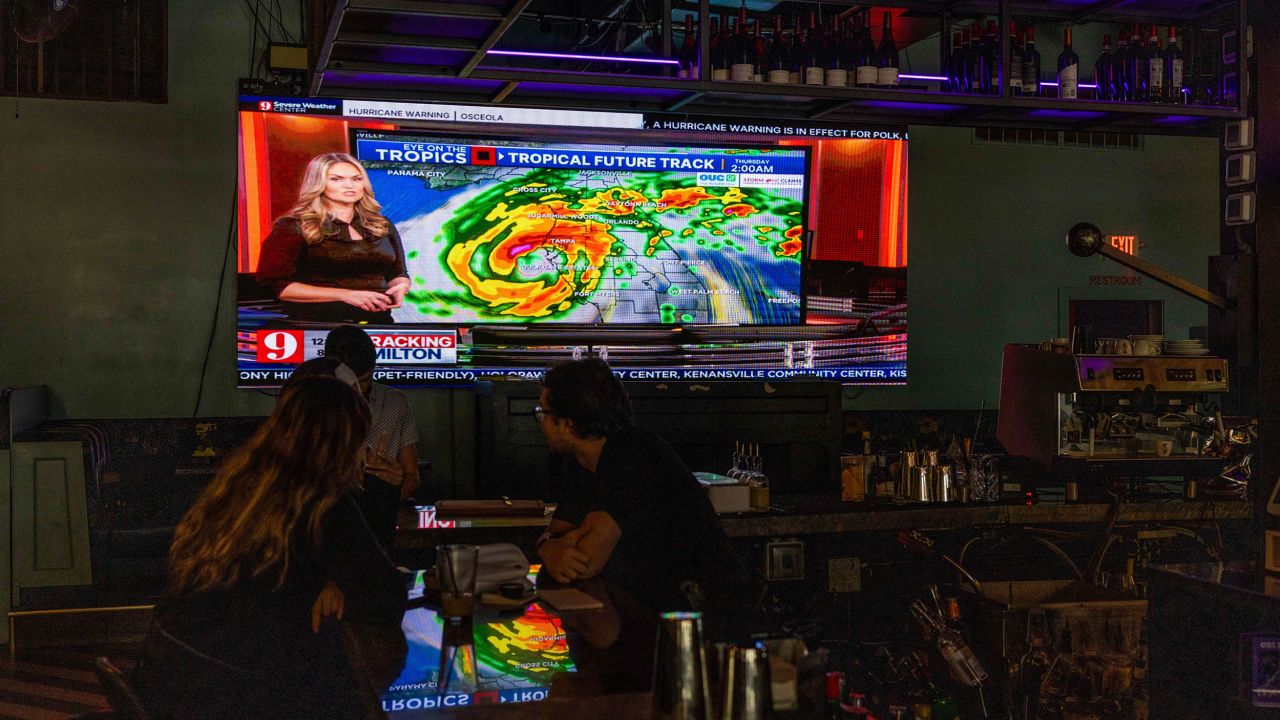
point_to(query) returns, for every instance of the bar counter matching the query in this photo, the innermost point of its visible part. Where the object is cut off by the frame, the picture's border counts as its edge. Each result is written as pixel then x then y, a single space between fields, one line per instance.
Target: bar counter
pixel 795 515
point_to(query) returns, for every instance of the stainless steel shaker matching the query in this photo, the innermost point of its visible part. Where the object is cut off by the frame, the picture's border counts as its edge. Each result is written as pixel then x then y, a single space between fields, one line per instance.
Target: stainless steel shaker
pixel 748 693
pixel 680 688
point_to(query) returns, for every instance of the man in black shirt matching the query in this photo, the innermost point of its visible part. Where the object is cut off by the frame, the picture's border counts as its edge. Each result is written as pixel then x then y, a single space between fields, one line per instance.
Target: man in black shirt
pixel 637 517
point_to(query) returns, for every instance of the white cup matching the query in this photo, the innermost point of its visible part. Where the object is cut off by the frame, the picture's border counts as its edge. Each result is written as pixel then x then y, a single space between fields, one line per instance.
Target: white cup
pixel 1124 347
pixel 1146 347
pixel 1164 448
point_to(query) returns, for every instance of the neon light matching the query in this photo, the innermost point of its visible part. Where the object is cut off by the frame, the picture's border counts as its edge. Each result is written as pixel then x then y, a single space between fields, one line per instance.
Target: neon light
pixel 934 78
pixel 1086 86
pixel 574 56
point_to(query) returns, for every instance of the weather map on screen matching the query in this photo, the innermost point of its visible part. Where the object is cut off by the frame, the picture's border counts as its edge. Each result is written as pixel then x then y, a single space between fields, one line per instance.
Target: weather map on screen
pixel 593 234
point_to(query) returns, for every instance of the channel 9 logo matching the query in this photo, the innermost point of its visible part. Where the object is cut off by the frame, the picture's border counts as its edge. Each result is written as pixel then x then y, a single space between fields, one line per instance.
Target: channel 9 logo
pixel 280 346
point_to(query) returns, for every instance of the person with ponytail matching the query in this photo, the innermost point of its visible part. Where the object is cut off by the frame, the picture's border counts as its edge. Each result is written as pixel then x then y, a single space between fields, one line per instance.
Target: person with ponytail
pixel 334 257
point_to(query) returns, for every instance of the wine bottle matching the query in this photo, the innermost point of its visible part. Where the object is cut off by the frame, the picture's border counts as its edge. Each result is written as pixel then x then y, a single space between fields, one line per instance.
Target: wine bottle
pixel 719 54
pixel 1136 67
pixel 955 63
pixel 973 61
pixel 688 52
pixel 1068 69
pixel 795 54
pixel 758 52
pixel 814 72
pixel 1031 65
pixel 868 68
pixel 1119 73
pixel 1173 68
pixel 1015 61
pixel 991 59
pixel 838 56
pixel 1103 71
pixel 777 65
pixel 887 74
pixel 1155 67
pixel 742 67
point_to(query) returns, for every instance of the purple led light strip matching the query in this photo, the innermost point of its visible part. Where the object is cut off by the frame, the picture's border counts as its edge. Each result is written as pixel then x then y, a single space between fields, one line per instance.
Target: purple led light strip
pixel 935 78
pixel 573 56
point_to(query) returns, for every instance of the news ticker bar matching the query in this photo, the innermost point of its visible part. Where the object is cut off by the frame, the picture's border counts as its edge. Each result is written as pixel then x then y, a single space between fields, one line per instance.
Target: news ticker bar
pixel 878 373
pixel 447 114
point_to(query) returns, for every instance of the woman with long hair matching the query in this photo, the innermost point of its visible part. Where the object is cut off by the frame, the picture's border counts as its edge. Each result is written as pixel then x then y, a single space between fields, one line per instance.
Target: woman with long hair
pixel 334 257
pixel 234 633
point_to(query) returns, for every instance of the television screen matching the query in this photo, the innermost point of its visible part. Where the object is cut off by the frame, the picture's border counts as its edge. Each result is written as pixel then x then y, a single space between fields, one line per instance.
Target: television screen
pixel 474 243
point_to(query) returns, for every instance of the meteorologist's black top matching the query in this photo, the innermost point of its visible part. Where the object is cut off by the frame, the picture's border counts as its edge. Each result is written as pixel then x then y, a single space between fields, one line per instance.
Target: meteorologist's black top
pixel 249 651
pixel 335 261
pixel 670 532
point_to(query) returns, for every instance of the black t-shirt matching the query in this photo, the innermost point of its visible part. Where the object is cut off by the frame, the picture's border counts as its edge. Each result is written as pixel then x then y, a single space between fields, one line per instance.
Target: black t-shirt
pixel 670 532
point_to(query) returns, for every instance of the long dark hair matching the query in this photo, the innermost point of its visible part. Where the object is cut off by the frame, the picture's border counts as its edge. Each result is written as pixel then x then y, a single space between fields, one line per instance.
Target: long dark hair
pixel 293 469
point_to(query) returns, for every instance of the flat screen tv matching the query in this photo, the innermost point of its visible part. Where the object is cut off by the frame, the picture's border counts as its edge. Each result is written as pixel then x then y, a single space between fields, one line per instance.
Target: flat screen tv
pixel 487 244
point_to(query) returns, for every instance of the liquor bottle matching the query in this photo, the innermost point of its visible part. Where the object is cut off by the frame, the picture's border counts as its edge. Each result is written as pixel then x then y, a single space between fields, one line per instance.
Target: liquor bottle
pixel 1173 69
pixel 973 59
pixel 838 56
pixel 1031 65
pixel 868 63
pixel 1068 69
pixel 833 694
pixel 777 65
pixel 1119 71
pixel 1155 67
pixel 989 60
pixel 887 73
pixel 719 54
pixel 814 72
pixel 688 52
pixel 1015 61
pixel 1136 68
pixel 758 50
pixel 955 64
pixel 742 61
pixel 1033 667
pixel 795 54
pixel 1103 71
pixel 961 662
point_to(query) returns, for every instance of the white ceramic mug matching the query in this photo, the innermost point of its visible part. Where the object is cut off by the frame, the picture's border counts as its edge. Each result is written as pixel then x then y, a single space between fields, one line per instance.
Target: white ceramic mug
pixel 1146 347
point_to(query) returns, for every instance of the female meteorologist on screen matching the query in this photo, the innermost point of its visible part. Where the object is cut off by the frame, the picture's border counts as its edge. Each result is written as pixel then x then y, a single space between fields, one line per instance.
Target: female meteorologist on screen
pixel 334 257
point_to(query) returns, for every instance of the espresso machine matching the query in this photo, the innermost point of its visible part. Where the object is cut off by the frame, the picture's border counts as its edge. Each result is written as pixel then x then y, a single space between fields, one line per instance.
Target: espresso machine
pixel 1084 417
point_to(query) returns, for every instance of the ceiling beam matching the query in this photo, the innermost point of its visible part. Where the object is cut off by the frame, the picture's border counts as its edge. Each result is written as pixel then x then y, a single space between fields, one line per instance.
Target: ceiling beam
pixel 494 36
pixel 677 104
pixel 418 7
pixel 325 48
pixel 409 41
pixel 506 89
pixel 1088 11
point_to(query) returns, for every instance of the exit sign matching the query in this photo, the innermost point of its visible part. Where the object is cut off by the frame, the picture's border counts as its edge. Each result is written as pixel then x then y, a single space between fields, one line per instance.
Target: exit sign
pixel 1125 243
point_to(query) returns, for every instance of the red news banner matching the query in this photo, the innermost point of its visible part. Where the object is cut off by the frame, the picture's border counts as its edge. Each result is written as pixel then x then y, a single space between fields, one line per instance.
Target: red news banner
pixel 395 347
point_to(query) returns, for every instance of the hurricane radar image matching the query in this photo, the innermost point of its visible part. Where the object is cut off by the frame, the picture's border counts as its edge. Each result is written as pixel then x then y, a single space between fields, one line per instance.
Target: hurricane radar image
pixel 675 236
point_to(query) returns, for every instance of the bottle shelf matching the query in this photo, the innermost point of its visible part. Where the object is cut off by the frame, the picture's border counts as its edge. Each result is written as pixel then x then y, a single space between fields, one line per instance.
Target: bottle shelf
pixel 455 52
